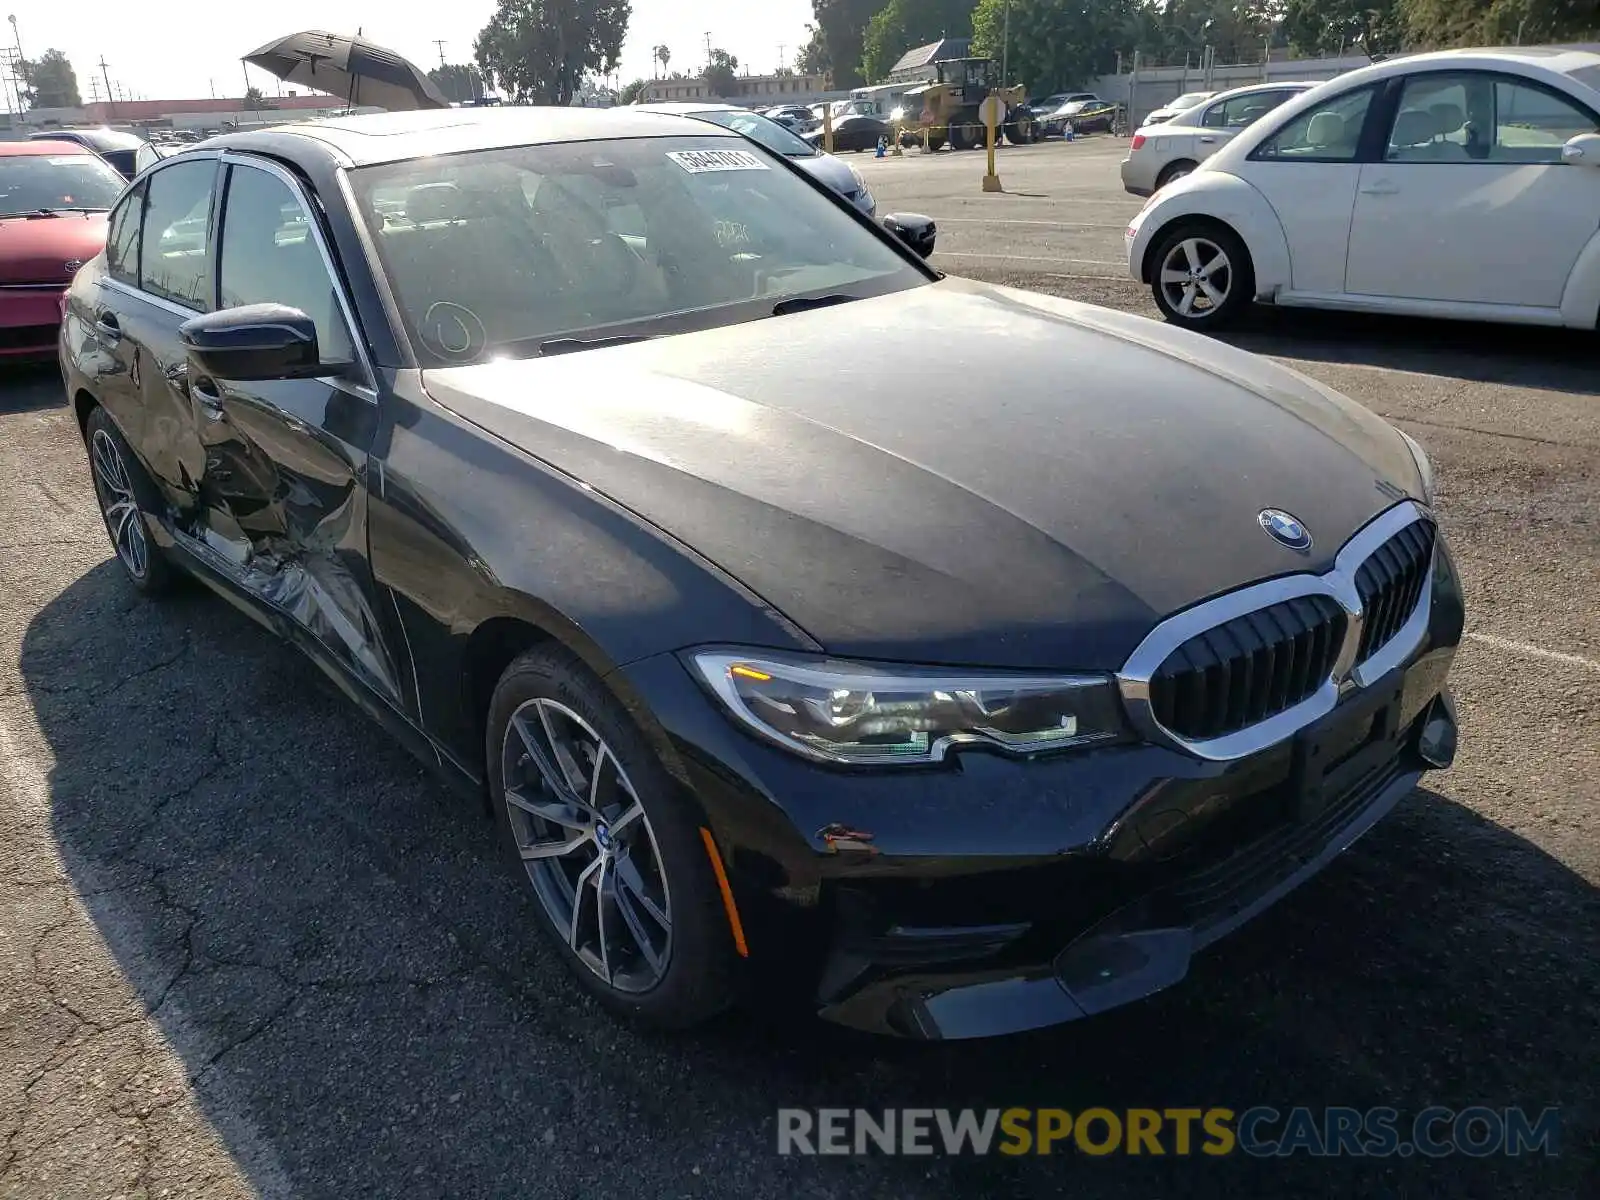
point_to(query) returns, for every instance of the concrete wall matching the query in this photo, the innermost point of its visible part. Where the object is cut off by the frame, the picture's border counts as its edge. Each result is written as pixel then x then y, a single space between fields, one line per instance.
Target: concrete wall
pixel 1151 88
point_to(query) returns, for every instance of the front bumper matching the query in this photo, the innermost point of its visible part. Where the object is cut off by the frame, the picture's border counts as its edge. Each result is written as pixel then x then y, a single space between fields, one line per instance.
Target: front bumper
pixel 30 320
pixel 992 895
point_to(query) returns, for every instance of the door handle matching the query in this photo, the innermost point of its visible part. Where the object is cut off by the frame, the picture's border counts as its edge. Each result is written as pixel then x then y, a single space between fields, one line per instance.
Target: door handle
pixel 204 390
pixel 1208 140
pixel 105 324
pixel 1381 187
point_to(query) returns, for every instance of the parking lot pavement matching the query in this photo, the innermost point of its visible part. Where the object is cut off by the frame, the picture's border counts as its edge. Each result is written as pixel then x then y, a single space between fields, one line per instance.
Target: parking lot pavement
pixel 246 944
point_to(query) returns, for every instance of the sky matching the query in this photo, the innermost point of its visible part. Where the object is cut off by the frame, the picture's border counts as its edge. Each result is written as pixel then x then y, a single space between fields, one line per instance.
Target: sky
pixel 181 49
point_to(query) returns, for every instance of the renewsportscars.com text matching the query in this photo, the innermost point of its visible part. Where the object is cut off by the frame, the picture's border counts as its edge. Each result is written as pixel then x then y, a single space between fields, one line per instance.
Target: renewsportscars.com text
pixel 1262 1131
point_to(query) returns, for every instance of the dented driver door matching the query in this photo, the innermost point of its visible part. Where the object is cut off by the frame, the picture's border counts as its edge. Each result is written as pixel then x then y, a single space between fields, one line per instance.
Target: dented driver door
pixel 283 494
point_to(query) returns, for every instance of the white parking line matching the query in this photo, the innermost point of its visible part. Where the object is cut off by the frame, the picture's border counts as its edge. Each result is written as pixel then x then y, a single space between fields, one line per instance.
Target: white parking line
pixel 1028 258
pixel 1532 651
pixel 1045 224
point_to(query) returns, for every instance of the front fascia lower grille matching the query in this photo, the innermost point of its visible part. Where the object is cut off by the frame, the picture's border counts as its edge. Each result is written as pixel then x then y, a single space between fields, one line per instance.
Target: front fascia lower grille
pixel 1244 671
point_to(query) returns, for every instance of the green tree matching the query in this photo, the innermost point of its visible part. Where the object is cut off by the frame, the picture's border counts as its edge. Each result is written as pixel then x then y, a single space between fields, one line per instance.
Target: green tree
pixel 841 25
pixel 901 24
pixel 1056 43
pixel 630 94
pixel 458 81
pixel 1499 22
pixel 539 50
pixel 721 73
pixel 661 54
pixel 50 82
pixel 253 98
pixel 813 57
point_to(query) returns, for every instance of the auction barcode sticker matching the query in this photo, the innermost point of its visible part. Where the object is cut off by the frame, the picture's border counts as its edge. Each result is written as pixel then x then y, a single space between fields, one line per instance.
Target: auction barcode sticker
pixel 698 162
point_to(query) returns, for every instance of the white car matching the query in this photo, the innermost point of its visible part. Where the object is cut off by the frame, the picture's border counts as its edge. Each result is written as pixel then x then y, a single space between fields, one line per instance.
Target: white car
pixel 1181 105
pixel 1462 184
pixel 1158 154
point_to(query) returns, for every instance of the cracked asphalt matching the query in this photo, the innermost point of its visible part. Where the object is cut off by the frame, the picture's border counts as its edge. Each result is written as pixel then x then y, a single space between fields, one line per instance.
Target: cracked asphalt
pixel 249 947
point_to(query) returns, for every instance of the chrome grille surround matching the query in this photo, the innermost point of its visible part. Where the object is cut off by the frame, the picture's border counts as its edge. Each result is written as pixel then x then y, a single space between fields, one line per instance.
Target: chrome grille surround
pixel 1349 672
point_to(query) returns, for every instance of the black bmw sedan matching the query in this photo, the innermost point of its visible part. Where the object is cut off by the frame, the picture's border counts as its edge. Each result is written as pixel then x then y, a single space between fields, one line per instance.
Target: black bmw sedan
pixel 949 695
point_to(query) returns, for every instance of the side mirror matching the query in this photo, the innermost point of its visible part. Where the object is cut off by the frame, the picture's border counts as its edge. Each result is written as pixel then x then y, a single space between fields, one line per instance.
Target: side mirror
pixel 914 229
pixel 254 341
pixel 1582 150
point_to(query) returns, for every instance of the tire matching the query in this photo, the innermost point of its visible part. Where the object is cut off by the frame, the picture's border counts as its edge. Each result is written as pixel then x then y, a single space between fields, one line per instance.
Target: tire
pixel 1173 170
pixel 653 885
pixel 958 137
pixel 935 142
pixel 1192 250
pixel 128 504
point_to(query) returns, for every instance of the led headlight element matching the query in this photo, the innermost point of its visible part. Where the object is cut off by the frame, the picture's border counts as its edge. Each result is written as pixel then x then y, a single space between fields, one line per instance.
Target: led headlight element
pixel 868 714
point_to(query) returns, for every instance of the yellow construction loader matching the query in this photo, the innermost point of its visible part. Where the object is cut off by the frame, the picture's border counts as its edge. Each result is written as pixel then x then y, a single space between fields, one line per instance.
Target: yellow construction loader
pixel 947 108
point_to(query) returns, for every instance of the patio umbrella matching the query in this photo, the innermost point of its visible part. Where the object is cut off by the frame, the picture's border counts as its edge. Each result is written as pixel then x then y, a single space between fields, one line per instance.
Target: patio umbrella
pixel 360 71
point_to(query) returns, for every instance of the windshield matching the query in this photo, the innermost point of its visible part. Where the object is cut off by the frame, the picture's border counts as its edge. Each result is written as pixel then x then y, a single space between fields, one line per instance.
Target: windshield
pixel 34 182
pixel 761 129
pixel 507 251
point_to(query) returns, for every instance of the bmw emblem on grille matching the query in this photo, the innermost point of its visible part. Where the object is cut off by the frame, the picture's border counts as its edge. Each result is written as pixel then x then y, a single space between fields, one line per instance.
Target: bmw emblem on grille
pixel 1283 528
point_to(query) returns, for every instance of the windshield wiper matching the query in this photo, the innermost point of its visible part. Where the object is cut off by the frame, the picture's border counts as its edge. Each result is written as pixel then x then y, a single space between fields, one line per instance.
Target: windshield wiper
pixel 568 345
pixel 796 304
pixel 37 214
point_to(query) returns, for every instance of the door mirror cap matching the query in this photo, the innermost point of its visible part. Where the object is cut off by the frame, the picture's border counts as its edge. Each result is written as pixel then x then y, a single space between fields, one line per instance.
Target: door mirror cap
pixel 254 341
pixel 914 229
pixel 1583 150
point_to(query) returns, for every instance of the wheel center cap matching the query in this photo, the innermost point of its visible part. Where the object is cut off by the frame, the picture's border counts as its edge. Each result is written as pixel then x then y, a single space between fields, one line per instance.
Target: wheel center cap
pixel 602 836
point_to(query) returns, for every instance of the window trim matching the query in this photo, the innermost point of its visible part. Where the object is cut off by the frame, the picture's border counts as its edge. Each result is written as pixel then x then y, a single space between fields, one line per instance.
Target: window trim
pixel 1399 83
pixel 1377 108
pixel 213 157
pixel 365 384
pixel 125 200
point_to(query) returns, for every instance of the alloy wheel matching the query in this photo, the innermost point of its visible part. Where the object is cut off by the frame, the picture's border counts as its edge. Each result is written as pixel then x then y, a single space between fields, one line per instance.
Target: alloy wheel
pixel 587 845
pixel 118 504
pixel 1196 277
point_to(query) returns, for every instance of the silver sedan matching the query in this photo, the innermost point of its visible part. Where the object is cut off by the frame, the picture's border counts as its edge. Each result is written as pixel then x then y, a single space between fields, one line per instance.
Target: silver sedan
pixel 1158 154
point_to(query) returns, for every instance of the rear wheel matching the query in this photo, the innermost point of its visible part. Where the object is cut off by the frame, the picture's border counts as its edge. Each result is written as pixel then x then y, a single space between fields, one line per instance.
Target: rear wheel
pixel 610 847
pixel 1201 277
pixel 1174 170
pixel 936 141
pixel 128 501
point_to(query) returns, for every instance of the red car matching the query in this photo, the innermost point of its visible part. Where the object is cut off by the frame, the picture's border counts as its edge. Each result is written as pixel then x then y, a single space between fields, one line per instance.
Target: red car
pixel 53 202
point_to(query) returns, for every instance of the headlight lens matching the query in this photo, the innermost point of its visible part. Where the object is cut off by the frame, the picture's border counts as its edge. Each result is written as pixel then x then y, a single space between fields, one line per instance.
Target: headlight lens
pixel 1424 467
pixel 845 712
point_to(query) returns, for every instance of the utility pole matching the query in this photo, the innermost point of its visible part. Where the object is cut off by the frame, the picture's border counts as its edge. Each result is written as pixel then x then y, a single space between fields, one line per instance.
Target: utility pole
pixel 1005 49
pixel 439 42
pixel 782 62
pixel 708 47
pixel 105 73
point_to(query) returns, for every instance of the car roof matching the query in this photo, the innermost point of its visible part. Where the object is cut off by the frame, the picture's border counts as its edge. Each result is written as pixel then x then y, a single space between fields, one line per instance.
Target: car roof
pixel 684 107
pixel 41 146
pixel 393 137
pixel 98 139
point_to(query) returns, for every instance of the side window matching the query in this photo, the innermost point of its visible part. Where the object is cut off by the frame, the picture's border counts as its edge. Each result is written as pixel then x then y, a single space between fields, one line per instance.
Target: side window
pixel 1530 123
pixel 270 257
pixel 1432 123
pixel 122 238
pixel 1330 132
pixel 175 253
pixel 1243 110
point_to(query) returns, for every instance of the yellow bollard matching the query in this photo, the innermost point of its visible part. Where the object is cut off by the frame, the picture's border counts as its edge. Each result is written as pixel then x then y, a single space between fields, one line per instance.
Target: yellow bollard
pixel 827 128
pixel 898 129
pixel 991 181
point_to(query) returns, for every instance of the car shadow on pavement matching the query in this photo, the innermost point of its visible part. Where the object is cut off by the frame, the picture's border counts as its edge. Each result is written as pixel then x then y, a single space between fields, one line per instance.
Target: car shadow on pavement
pixel 1564 360
pixel 354 984
pixel 30 387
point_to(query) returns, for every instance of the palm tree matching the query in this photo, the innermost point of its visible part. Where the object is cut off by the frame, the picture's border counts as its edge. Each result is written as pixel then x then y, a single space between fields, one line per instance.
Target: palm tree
pixel 662 55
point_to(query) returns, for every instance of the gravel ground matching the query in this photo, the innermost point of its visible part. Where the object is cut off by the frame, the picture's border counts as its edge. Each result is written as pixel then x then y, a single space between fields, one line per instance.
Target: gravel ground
pixel 248 946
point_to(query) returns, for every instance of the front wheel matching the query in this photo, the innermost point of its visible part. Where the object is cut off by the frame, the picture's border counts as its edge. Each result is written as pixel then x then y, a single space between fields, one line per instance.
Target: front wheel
pixel 612 851
pixel 1202 278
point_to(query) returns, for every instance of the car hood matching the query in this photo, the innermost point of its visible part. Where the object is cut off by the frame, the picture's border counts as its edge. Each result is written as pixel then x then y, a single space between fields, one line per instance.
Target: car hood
pixel 37 250
pixel 1022 481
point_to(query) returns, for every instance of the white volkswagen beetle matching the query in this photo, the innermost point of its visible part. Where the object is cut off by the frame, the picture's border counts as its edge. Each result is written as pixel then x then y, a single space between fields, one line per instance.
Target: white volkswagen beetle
pixel 1461 184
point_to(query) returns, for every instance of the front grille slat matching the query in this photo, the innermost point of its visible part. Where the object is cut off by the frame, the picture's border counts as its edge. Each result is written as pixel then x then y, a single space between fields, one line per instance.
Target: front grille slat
pixel 1250 668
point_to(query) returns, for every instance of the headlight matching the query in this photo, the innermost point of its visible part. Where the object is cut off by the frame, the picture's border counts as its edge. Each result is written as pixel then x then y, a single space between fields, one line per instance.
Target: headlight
pixel 847 712
pixel 1424 467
